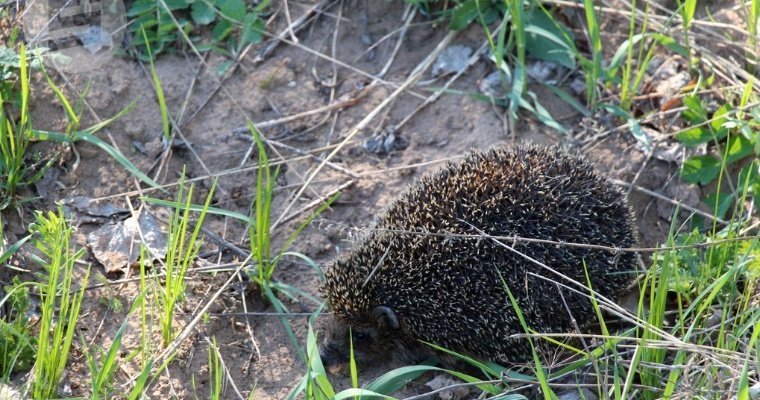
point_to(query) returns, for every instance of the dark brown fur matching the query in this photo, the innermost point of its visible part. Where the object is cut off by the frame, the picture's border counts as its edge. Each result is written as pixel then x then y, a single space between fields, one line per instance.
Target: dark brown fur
pixel 449 290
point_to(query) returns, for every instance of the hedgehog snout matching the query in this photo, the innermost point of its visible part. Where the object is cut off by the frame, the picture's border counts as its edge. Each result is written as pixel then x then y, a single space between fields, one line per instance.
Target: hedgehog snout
pixel 367 339
pixel 332 355
pixel 333 349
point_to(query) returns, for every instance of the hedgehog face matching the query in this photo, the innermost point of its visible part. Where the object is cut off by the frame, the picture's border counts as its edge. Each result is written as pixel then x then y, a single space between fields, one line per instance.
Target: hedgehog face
pixel 369 342
pixel 374 335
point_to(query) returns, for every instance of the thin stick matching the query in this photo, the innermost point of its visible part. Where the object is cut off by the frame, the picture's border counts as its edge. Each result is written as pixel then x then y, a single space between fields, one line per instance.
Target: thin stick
pixel 314 157
pixel 437 94
pixel 330 107
pixel 411 12
pixel 313 204
pixel 289 29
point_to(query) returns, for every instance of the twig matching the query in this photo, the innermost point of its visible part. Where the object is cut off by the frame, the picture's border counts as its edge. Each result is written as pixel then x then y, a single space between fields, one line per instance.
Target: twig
pixel 330 107
pixel 516 239
pixel 289 29
pixel 410 12
pixel 224 365
pixel 264 314
pixel 314 157
pixel 433 97
pixel 312 204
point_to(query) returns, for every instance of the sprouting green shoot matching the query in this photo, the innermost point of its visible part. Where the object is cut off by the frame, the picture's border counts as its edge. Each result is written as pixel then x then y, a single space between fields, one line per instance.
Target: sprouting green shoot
pixel 259 226
pixel 593 71
pixel 182 247
pixel 102 370
pixel 687 9
pixel 14 136
pixel 215 371
pixel 61 301
pixel 165 127
pixel 540 373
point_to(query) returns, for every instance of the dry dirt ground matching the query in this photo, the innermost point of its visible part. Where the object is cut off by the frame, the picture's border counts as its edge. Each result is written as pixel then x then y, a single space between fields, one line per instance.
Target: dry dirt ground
pixel 286 82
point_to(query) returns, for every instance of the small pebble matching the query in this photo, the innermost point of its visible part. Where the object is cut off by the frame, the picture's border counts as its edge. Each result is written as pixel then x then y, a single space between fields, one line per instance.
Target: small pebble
pixel 451 60
pixel 578 394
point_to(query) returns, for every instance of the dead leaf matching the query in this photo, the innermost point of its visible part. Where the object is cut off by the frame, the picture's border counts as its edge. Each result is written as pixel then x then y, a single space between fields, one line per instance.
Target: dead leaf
pixel 117 246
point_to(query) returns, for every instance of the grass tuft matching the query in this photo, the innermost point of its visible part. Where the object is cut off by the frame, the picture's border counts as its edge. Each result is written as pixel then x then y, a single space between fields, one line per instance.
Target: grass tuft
pixel 60 303
pixel 182 248
pixel 14 135
pixel 259 232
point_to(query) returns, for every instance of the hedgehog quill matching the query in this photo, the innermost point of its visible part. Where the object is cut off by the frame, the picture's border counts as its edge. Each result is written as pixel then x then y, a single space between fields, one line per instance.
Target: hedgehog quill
pixel 420 276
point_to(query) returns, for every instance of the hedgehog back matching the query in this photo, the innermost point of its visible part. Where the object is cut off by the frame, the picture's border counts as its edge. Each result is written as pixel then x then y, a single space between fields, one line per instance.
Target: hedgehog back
pixel 450 290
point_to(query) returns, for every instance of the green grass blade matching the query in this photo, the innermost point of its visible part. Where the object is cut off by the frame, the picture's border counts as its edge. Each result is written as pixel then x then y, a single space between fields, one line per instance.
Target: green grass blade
pixel 280 307
pixel 592 75
pixel 540 373
pixel 353 371
pixel 197 208
pixel 103 376
pixel 141 382
pixel 569 99
pixel 13 249
pixel 72 116
pixel 159 91
pixel 120 158
pixel 742 392
pixel 102 124
pixel 311 263
pixel 355 393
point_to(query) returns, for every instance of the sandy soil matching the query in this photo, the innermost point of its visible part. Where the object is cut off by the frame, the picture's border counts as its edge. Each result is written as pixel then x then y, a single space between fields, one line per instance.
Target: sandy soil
pixel 287 82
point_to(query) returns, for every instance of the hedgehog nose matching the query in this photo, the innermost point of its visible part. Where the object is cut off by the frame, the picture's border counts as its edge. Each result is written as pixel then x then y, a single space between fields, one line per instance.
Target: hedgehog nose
pixel 331 357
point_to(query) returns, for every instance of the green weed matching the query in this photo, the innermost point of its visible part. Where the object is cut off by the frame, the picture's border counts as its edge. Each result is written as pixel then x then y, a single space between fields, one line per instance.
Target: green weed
pixel 104 366
pixel 166 129
pixel 259 231
pixel 233 24
pixel 539 368
pixel 316 385
pixel 182 248
pixel 687 8
pixel 73 134
pixel 146 326
pixel 752 17
pixel 17 167
pixel 17 344
pixel 15 136
pixel 215 371
pixel 734 138
pixel 592 68
pixel 60 302
pixel 524 31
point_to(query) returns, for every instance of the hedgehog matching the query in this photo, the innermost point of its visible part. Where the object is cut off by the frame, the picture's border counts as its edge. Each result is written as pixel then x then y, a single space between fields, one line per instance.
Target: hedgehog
pixel 429 270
